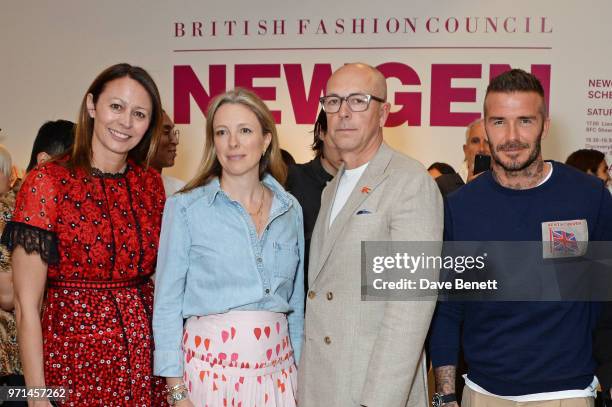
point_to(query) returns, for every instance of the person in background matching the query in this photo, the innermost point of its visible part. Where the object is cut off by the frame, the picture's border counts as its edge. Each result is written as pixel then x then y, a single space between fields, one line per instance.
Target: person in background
pixel 445 176
pixel 53 138
pixel 231 263
pixel 10 367
pixel 306 181
pixel 287 158
pixel 590 161
pixel 475 143
pixel 436 169
pixel 593 162
pixel 84 237
pixel 166 155
pixel 603 355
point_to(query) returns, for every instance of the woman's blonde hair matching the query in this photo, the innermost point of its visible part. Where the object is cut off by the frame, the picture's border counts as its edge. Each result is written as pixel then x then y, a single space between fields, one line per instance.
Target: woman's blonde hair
pixel 270 162
pixel 6 163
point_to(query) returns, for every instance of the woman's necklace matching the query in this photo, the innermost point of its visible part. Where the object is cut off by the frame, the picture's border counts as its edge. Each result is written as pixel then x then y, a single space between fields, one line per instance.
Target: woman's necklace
pixel 261 202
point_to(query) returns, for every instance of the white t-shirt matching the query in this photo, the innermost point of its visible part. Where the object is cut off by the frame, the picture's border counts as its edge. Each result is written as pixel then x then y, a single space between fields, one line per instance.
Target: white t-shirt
pixel 346 185
pixel 546 178
pixel 590 391
pixel 463 171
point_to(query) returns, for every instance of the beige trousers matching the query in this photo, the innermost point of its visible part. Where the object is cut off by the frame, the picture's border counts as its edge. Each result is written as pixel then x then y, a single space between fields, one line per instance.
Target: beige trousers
pixel 472 398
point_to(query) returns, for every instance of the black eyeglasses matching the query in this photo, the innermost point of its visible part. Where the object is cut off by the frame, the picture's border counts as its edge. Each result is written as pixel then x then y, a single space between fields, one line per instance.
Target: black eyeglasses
pixel 357 102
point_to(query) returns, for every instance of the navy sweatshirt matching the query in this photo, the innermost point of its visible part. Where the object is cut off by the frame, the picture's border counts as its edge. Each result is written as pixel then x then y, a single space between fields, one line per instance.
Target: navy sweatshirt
pixel 518 348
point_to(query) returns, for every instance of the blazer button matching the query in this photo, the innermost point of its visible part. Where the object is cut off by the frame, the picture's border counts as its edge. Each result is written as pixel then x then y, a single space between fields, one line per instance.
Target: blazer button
pixel 330 296
pixel 311 294
pixel 327 340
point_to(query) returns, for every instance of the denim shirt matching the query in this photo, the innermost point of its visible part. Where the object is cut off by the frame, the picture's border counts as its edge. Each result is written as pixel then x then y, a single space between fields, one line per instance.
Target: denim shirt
pixel 211 261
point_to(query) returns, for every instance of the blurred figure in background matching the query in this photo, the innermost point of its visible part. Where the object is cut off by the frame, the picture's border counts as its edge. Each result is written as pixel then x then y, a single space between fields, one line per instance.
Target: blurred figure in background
pixel 287 157
pixel 475 143
pixel 10 368
pixel 445 176
pixel 590 161
pixel 437 169
pixel 593 162
pixel 306 181
pixel 53 138
pixel 603 355
pixel 166 155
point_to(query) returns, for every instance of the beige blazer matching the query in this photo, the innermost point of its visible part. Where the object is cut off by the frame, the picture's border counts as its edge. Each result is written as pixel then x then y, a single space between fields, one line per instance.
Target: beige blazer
pixel 357 352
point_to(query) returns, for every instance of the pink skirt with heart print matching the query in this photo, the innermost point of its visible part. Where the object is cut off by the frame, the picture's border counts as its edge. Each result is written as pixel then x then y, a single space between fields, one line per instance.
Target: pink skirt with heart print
pixel 239 359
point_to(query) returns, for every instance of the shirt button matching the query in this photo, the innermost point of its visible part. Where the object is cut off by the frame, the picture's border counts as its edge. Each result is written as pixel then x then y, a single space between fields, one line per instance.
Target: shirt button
pixel 259 260
pixel 267 291
pixel 330 296
pixel 311 294
pixel 327 340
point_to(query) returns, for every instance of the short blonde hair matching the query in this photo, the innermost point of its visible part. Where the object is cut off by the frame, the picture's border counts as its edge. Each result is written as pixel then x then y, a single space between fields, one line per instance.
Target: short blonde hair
pixel 6 163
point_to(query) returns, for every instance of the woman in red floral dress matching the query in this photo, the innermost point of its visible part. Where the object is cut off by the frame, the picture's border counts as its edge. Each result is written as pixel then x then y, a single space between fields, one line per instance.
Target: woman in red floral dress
pixel 85 231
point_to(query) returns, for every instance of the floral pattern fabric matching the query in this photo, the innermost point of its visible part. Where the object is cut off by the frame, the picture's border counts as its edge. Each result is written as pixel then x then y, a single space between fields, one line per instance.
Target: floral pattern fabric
pixel 98 234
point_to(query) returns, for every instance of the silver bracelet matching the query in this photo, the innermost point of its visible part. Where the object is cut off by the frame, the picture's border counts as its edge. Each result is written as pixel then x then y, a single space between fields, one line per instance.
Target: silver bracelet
pixel 177 393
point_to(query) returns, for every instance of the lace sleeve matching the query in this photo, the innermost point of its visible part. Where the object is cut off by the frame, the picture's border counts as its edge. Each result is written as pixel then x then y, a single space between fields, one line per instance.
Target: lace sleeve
pixel 33 225
pixel 32 239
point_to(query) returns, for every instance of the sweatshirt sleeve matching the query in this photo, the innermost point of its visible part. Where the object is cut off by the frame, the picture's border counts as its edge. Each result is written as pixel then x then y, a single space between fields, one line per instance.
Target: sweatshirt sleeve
pixel 445 330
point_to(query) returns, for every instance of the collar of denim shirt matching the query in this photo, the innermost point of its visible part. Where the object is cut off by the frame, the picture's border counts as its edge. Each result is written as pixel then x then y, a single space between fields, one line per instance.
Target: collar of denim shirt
pixel 283 196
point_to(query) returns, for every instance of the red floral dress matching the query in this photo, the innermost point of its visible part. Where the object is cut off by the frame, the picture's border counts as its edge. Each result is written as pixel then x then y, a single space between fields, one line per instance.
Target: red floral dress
pixel 99 234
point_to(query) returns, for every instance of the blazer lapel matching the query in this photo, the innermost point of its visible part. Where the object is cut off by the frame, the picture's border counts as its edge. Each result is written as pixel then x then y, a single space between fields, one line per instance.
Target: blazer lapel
pixel 371 178
pixel 321 229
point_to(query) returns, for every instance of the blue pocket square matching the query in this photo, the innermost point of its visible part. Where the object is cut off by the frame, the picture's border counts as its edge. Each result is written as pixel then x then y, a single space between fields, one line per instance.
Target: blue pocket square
pixel 363 212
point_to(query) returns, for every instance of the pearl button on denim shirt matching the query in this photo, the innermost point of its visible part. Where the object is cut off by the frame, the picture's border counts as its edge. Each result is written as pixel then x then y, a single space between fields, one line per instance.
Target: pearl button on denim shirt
pixel 211 261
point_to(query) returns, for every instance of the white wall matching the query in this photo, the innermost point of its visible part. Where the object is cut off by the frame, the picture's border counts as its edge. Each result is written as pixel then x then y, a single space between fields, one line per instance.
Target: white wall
pixel 51 51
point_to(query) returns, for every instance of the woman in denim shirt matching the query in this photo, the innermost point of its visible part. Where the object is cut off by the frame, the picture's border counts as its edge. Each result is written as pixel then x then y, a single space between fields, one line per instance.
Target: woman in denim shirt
pixel 231 263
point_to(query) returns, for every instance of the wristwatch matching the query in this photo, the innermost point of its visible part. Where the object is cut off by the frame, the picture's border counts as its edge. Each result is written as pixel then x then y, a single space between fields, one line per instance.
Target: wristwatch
pixel 175 396
pixel 438 399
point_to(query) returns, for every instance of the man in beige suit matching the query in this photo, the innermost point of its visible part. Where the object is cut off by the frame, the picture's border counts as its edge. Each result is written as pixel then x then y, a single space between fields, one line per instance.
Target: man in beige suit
pixel 365 353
